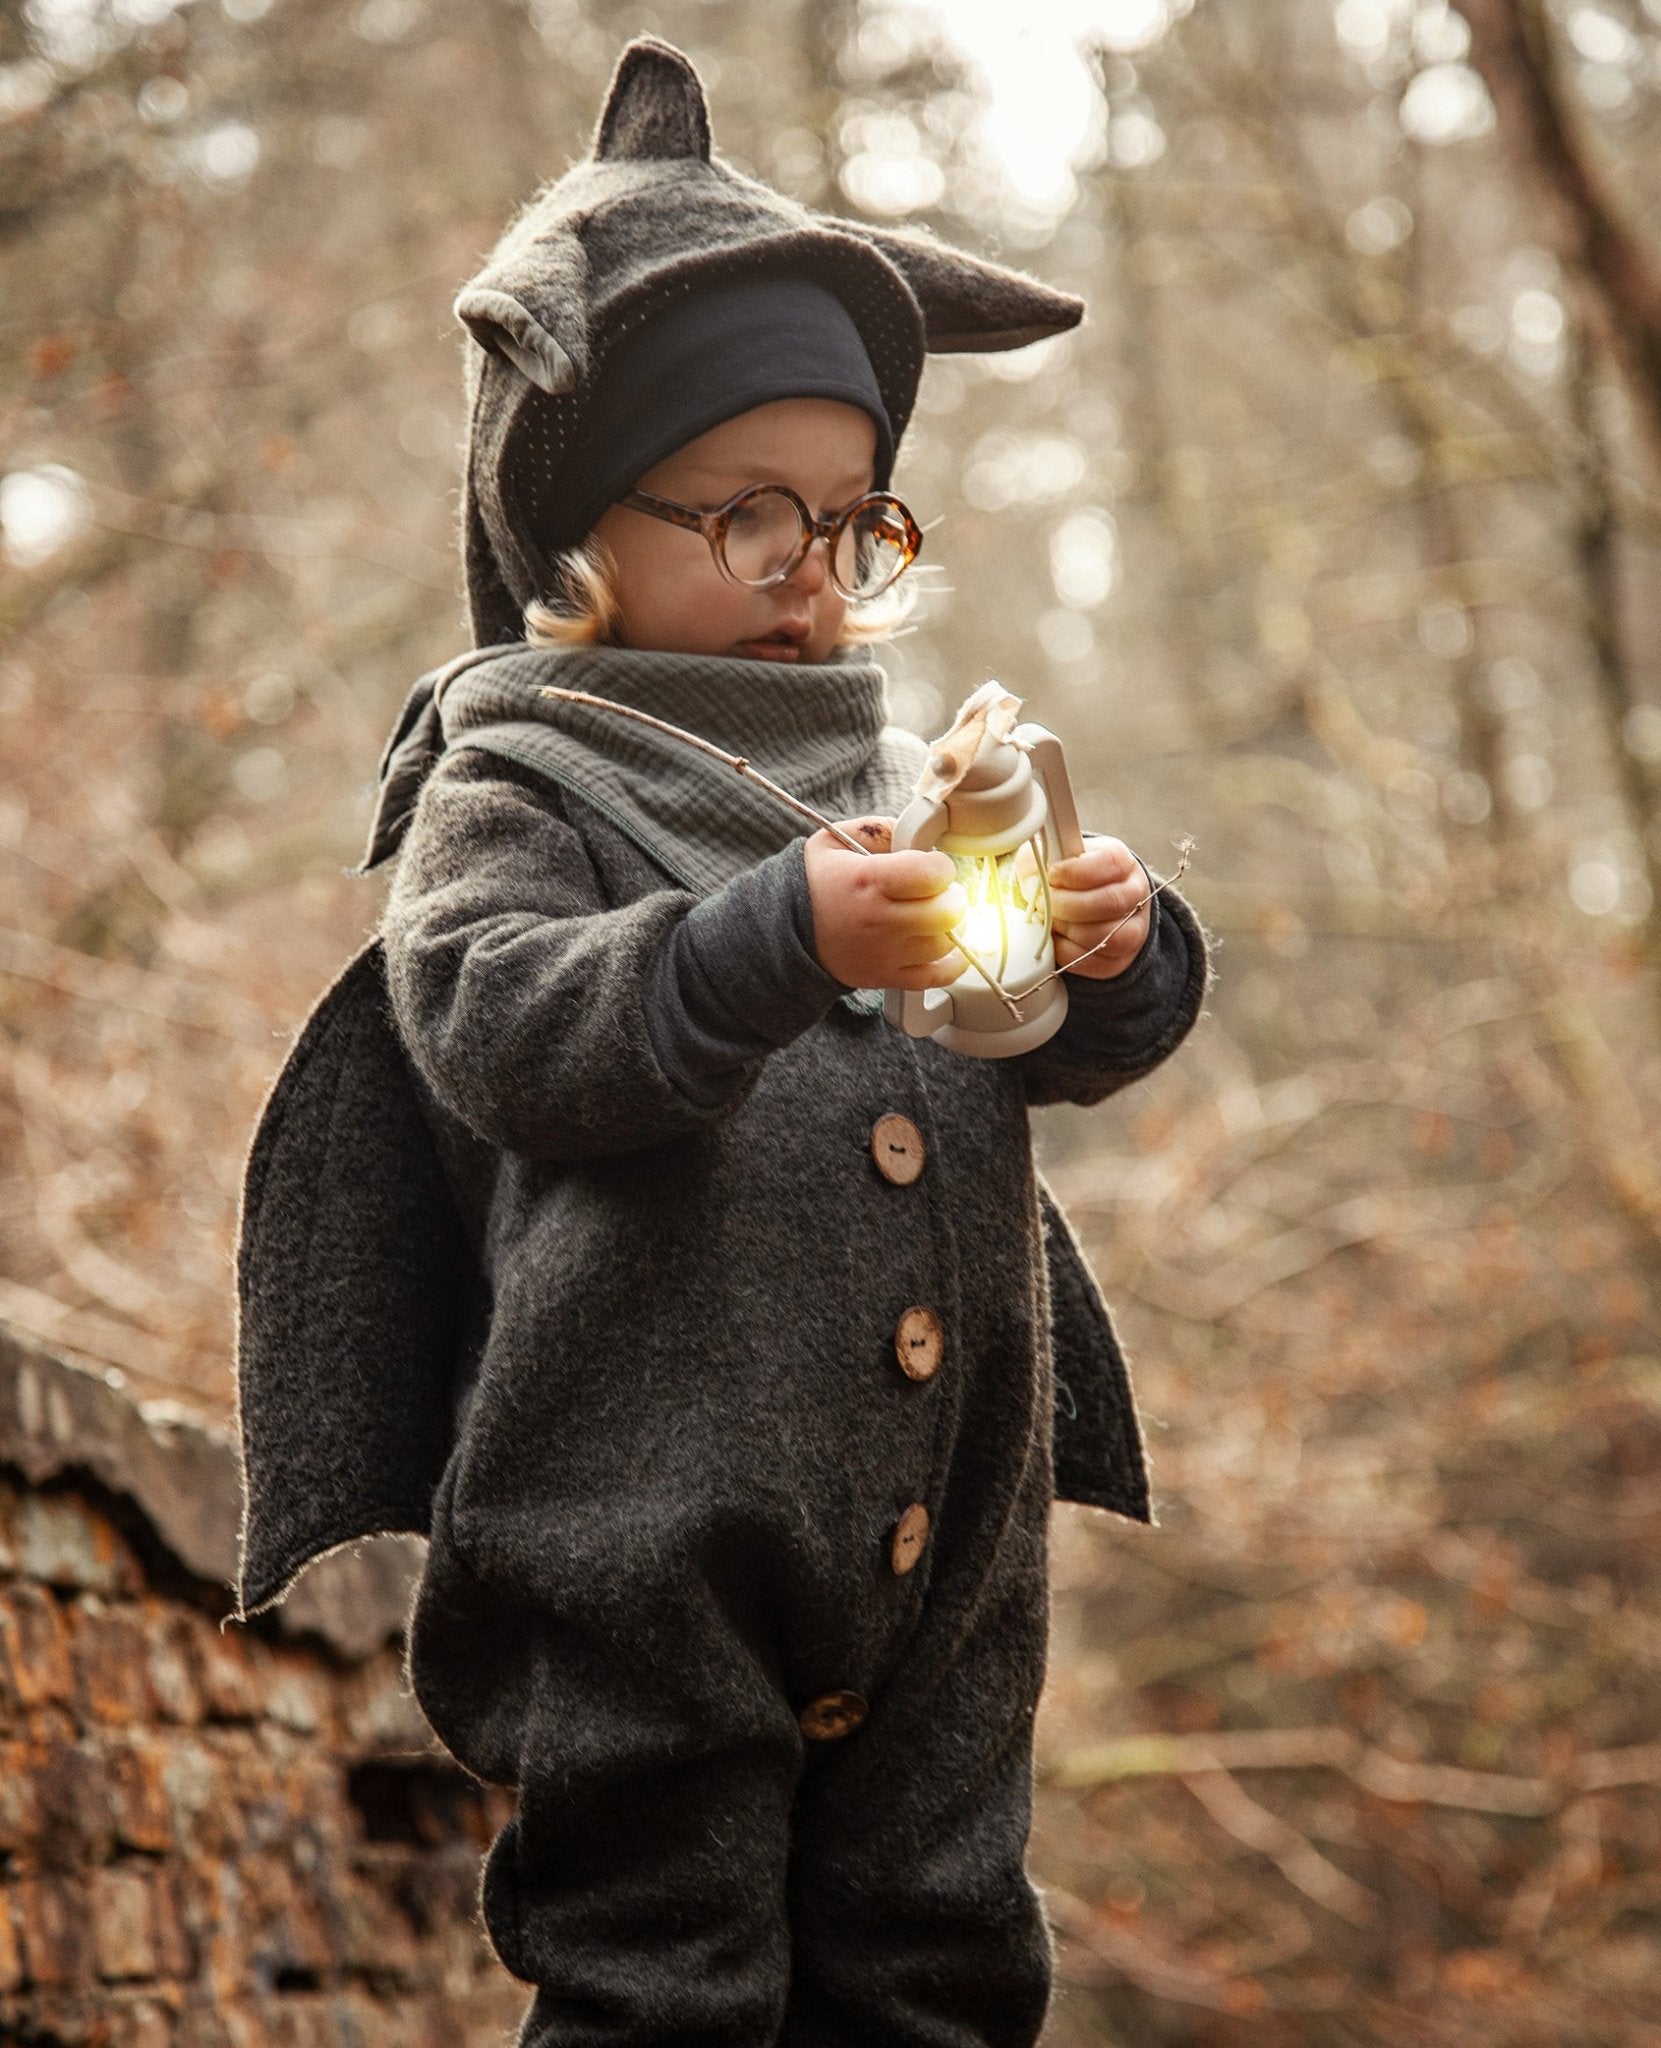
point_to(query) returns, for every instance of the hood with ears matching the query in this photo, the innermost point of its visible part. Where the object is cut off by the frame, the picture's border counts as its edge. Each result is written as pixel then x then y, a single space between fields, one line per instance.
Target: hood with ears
pixel 650 213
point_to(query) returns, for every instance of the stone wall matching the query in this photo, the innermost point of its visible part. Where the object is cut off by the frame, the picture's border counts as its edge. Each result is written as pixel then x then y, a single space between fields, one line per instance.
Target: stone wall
pixel 241 1836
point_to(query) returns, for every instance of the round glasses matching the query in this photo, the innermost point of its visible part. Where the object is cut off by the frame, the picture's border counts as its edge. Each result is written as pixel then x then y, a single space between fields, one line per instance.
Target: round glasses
pixel 759 537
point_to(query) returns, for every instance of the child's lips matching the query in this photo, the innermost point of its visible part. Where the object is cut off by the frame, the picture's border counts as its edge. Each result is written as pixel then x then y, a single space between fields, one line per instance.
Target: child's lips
pixel 771 650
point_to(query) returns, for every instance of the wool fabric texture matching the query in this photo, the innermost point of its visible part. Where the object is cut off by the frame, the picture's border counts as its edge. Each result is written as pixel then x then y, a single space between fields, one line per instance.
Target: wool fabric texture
pixel 818 729
pixel 701 360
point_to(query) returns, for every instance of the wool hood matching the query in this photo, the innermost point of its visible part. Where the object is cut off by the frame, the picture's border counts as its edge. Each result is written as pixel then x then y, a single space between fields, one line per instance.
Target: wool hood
pixel 651 214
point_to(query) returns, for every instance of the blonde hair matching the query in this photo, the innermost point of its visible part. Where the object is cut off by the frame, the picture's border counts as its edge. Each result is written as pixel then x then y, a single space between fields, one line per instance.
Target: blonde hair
pixel 588 614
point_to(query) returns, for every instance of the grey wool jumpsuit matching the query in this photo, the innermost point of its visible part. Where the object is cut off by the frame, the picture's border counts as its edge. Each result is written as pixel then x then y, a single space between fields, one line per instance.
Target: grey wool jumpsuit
pixel 737 1568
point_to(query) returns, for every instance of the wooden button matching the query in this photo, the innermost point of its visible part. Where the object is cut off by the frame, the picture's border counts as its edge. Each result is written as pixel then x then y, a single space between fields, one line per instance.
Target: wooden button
pixel 919 1343
pixel 911 1532
pixel 897 1147
pixel 832 1714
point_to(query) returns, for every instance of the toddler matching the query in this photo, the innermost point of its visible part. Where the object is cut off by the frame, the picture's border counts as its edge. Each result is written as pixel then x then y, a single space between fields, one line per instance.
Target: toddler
pixel 774 1350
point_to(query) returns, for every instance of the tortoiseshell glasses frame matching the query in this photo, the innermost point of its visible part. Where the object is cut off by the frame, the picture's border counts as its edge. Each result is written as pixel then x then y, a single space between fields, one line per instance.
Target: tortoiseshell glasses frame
pixel 713 526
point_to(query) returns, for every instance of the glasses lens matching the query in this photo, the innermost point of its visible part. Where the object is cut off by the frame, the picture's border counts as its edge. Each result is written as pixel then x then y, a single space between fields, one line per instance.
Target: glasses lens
pixel 871 549
pixel 764 535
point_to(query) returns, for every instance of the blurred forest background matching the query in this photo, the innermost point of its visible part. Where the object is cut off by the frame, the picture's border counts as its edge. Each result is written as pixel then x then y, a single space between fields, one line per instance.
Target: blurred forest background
pixel 1330 538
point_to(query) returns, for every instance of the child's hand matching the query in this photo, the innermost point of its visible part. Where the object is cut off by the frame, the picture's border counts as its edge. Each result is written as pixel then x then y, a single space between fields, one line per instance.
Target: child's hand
pixel 1090 893
pixel 881 921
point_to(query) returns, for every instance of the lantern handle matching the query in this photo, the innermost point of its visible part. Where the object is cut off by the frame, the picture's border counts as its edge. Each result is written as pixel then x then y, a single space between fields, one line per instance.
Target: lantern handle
pixel 918 1012
pixel 1049 764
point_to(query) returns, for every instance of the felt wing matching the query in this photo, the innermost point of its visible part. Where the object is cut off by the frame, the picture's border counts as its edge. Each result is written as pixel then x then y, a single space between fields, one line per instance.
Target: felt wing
pixel 356 1293
pixel 1099 1458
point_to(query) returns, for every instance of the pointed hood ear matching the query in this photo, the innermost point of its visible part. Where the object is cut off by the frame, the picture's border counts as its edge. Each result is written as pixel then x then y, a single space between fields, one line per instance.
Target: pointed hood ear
pixel 526 307
pixel 967 302
pixel 655 107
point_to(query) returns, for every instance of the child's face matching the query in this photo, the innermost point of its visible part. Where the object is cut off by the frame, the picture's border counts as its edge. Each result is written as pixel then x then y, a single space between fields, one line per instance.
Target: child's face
pixel 671 594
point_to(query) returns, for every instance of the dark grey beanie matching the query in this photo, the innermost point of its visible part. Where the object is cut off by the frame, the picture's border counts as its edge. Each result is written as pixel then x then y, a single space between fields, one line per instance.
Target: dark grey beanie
pixel 704 359
pixel 651 217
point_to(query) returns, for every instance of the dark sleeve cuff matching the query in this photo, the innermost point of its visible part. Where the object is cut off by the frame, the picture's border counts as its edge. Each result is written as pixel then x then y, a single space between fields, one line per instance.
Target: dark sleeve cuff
pixel 1133 1019
pixel 1121 1018
pixel 737 978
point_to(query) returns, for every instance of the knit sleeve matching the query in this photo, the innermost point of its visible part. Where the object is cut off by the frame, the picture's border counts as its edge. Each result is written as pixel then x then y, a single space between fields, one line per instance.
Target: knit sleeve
pixel 554 1024
pixel 1116 1031
pixel 738 978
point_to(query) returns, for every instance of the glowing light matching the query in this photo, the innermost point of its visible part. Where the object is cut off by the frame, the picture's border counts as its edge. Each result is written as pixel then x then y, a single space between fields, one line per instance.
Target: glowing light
pixel 1595 884
pixel 1084 559
pixel 1538 332
pixel 163 100
pixel 1445 630
pixel 1364 27
pixel 1007 925
pixel 1529 781
pixel 1440 36
pixel 1537 317
pixel 895 184
pixel 1600 38
pixel 1378 227
pixel 1446 103
pixel 1007 469
pixel 24 86
pixel 224 155
pixel 41 510
pixel 1041 110
pixel 1466 797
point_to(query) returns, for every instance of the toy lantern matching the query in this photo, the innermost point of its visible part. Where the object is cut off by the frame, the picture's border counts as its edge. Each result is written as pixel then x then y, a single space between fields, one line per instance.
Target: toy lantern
pixel 995 796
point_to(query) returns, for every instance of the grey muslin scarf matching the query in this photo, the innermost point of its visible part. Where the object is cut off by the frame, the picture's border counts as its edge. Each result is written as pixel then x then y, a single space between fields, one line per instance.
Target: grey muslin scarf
pixel 818 729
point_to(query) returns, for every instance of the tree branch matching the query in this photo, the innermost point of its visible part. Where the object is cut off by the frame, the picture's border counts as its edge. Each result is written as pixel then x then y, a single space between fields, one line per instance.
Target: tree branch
pixel 1511 49
pixel 1391 1778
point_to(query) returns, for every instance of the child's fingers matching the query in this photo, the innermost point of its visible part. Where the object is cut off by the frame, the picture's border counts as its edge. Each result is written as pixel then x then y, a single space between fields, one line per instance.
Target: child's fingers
pixel 874 832
pixel 905 877
pixel 1096 906
pixel 926 913
pixel 928 974
pixel 920 948
pixel 1102 861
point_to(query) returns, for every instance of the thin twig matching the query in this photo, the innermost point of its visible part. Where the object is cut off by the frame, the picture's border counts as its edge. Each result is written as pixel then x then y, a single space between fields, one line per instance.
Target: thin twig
pixel 741 766
pixel 1185 848
pixel 1129 1955
pixel 1397 1780
pixel 1293 1853
pixel 736 762
pixel 991 980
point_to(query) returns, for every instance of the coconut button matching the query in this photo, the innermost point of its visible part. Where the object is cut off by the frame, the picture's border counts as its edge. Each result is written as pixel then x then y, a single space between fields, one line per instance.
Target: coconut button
pixel 911 1532
pixel 920 1343
pixel 897 1147
pixel 831 1715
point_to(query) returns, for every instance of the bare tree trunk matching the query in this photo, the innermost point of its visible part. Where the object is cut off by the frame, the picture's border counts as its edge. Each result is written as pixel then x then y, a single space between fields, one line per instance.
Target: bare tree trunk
pixel 1597 548
pixel 1443 531
pixel 1511 48
pixel 1179 504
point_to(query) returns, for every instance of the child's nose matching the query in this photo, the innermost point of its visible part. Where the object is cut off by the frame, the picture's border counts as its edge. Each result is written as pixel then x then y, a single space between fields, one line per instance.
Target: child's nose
pixel 810 572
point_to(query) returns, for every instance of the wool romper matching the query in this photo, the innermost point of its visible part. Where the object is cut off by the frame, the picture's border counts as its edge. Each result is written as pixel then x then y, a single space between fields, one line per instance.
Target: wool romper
pixel 737 1569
